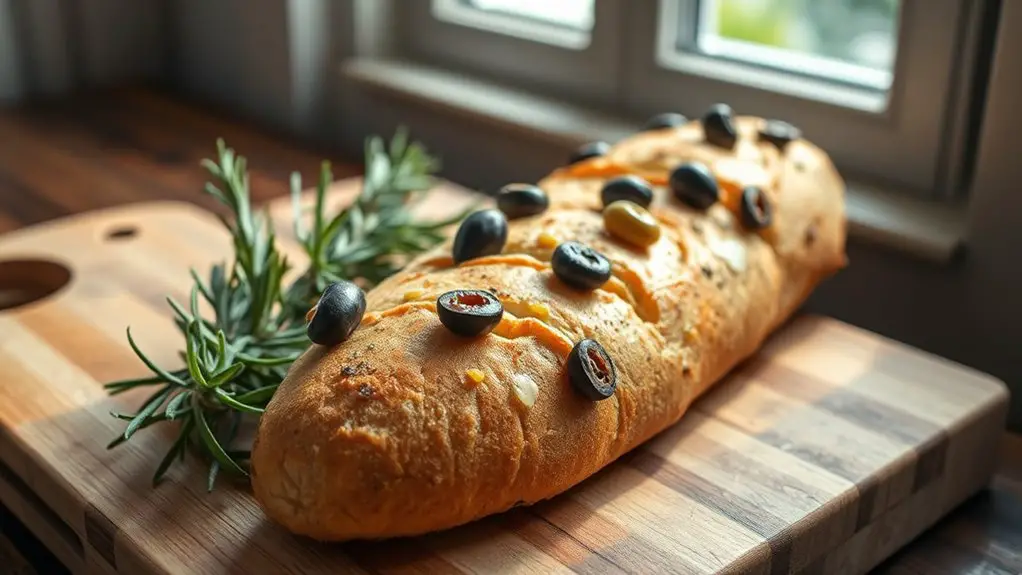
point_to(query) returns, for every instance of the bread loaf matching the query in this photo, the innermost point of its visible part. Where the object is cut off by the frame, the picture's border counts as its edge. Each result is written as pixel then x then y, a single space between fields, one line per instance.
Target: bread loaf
pixel 407 427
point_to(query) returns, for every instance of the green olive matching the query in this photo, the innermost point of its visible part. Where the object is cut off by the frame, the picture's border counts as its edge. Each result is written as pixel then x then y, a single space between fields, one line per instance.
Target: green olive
pixel 631 222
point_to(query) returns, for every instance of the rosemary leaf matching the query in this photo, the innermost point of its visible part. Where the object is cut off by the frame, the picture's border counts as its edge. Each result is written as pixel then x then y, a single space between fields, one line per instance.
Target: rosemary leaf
pixel 179 310
pixel 191 355
pixel 163 374
pixel 197 325
pixel 296 207
pixel 177 448
pixel 205 291
pixel 150 406
pixel 175 404
pixel 234 403
pixel 240 454
pixel 221 378
pixel 221 351
pixel 116 387
pixel 210 441
pixel 214 470
pixel 283 360
pixel 259 395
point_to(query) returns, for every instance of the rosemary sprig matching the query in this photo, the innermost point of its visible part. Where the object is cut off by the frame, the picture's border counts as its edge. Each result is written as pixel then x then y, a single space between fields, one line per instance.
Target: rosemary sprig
pixel 233 363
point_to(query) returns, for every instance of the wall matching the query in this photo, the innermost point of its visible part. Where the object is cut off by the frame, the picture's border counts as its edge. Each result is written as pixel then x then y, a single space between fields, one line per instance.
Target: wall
pixel 265 60
pixel 11 83
pixel 51 47
pixel 233 53
pixel 119 39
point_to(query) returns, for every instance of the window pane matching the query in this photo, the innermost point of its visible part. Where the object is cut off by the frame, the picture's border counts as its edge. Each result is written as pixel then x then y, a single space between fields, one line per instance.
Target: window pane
pixel 576 14
pixel 849 41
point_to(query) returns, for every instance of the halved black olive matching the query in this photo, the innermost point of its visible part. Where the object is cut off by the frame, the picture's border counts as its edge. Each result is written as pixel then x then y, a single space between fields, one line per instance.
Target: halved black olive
pixel 629 187
pixel 694 185
pixel 522 200
pixel 719 126
pixel 756 211
pixel 592 371
pixel 589 150
pixel 665 120
pixel 337 314
pixel 483 233
pixel 469 312
pixel 779 133
pixel 580 266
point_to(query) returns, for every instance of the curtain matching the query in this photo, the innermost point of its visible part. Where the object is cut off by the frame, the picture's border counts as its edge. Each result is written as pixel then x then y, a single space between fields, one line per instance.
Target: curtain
pixel 52 47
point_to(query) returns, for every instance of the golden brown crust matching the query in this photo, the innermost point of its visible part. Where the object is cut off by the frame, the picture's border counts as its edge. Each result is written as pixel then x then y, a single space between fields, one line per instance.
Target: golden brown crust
pixel 389 434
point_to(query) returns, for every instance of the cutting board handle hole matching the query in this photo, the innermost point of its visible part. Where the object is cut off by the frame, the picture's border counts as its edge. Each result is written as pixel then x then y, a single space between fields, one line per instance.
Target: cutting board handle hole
pixel 121 233
pixel 25 281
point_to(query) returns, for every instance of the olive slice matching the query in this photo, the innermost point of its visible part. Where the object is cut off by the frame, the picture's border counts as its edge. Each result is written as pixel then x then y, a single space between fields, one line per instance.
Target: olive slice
pixel 779 133
pixel 631 223
pixel 337 314
pixel 629 187
pixel 756 211
pixel 469 312
pixel 483 233
pixel 592 371
pixel 589 150
pixel 580 266
pixel 665 120
pixel 522 200
pixel 694 185
pixel 719 126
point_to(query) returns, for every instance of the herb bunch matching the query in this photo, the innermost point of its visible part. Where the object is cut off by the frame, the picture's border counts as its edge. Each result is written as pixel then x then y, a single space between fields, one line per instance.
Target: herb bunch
pixel 234 361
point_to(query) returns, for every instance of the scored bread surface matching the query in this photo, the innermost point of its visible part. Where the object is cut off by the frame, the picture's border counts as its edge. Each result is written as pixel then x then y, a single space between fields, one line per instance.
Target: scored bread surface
pixel 388 434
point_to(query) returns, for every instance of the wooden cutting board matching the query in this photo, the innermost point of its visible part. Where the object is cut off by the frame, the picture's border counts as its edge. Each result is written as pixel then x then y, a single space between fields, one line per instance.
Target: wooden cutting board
pixel 824 454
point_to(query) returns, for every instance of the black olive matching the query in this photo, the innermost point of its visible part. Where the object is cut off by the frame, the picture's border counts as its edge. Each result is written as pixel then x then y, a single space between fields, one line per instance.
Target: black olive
pixel 469 312
pixel 522 200
pixel 580 266
pixel 589 150
pixel 483 233
pixel 756 212
pixel 591 370
pixel 337 314
pixel 719 126
pixel 694 185
pixel 630 187
pixel 666 120
pixel 779 133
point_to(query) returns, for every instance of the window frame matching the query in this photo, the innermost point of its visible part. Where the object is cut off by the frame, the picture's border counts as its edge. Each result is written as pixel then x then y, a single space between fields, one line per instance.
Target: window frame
pixel 916 139
pixel 898 143
pixel 455 12
pixel 554 63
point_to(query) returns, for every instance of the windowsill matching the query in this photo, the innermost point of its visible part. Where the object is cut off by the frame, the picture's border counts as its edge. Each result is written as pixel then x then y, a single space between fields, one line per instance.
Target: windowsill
pixel 926 230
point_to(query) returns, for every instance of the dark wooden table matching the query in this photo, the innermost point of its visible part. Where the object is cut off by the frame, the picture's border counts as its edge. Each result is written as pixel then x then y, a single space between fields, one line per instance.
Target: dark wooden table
pixel 132 145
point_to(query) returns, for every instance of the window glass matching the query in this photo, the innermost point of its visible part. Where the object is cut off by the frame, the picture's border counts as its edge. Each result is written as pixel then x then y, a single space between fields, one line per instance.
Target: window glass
pixel 577 14
pixel 847 41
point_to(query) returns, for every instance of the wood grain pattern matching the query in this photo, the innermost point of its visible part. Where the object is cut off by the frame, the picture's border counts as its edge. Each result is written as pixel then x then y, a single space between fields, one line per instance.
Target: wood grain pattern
pixel 114 147
pixel 826 453
pixel 983 536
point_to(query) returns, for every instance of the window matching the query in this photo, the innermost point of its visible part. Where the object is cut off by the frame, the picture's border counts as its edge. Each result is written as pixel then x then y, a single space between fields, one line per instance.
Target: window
pixel 842 52
pixel 883 85
pixel 846 42
pixel 530 18
pixel 565 48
